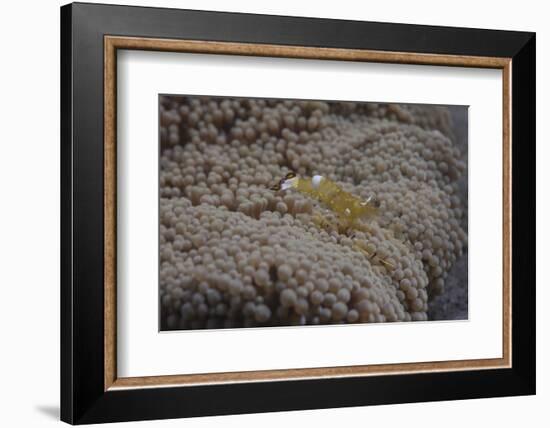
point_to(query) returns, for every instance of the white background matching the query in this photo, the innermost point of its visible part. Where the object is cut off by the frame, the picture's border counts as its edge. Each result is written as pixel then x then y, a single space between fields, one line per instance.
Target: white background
pixel 29 226
pixel 142 351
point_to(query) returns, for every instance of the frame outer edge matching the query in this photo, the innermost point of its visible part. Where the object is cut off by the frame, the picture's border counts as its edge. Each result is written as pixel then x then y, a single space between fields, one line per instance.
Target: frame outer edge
pixel 66 304
pixel 242 27
pixel 524 215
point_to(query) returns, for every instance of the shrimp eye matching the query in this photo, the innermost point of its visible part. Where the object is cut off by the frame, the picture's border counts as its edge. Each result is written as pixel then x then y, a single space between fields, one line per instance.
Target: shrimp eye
pixel 371 200
pixel 290 175
pixel 276 187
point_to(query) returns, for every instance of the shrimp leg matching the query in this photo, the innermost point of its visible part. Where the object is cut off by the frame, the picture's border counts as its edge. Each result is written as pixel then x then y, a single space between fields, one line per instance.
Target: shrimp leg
pixel 372 255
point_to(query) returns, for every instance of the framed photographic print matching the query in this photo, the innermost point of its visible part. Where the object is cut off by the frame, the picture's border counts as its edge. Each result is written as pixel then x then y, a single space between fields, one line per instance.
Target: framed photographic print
pixel 265 213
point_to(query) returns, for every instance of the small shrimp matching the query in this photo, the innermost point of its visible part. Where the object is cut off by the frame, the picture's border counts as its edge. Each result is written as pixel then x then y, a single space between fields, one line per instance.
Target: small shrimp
pixel 350 210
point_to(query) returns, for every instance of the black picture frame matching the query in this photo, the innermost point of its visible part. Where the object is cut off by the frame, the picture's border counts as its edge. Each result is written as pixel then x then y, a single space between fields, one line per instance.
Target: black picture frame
pixel 83 396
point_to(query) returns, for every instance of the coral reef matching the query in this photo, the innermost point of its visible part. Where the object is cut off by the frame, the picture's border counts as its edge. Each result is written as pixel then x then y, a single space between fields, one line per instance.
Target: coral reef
pixel 234 253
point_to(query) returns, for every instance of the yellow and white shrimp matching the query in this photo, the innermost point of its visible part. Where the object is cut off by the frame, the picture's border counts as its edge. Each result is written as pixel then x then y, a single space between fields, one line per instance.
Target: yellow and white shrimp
pixel 350 210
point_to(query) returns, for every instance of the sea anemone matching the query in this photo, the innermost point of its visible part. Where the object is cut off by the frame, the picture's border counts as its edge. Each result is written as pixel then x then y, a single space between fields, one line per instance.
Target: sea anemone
pixel 234 253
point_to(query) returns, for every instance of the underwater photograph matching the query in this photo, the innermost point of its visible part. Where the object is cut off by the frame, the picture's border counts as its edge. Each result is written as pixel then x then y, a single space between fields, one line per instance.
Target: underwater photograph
pixel 282 212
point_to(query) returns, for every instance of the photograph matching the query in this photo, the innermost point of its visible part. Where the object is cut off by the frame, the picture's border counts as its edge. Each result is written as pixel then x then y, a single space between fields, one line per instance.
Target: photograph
pixel 289 212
